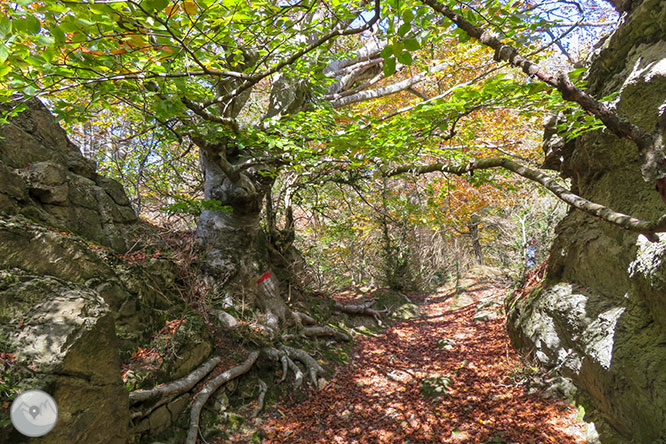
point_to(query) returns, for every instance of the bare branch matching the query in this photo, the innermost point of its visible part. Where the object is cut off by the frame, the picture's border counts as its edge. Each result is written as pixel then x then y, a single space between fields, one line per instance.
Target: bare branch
pixel 256 78
pixel 421 95
pixel 439 96
pixel 201 112
pixel 394 88
pixel 368 52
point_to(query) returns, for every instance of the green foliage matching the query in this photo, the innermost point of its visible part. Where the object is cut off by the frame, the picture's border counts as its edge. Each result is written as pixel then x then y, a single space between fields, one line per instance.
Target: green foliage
pixel 194 207
pixel 435 387
pixel 146 61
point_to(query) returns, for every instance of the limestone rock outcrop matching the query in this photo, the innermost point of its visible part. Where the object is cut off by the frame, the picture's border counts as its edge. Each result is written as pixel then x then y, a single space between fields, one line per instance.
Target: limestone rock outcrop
pixel 69 303
pixel 48 180
pixel 599 317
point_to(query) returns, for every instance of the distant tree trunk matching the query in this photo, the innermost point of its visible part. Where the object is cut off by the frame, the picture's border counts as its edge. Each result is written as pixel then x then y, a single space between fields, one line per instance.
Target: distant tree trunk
pixel 473 228
pixel 457 264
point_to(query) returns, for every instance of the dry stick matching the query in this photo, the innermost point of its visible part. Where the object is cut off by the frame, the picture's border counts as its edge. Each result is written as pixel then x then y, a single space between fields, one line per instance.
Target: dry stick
pixel 209 389
pixel 177 387
pixel 622 220
pixel 649 145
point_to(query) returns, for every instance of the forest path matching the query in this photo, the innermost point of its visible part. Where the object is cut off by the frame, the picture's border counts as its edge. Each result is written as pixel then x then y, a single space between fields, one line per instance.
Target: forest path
pixel 440 378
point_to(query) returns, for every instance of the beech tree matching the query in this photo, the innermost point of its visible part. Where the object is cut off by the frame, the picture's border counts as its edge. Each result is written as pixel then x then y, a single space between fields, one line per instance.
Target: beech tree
pixel 260 87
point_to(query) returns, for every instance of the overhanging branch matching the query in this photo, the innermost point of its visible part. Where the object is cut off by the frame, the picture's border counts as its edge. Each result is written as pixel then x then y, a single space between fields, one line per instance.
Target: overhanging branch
pixel 390 89
pixel 654 162
pixel 256 78
pixel 647 228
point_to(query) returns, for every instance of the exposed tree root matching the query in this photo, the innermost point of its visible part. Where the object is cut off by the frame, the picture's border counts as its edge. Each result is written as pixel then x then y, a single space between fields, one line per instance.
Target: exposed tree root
pixel 263 388
pixel 318 332
pixel 303 318
pixel 312 366
pixel 286 355
pixel 361 310
pixel 287 364
pixel 209 389
pixel 175 388
pixel 165 393
pixel 326 331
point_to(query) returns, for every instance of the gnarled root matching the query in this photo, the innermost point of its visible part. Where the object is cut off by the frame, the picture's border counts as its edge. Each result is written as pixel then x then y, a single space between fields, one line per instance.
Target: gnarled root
pixel 312 366
pixel 263 388
pixel 326 331
pixel 286 355
pixel 287 364
pixel 165 393
pixel 302 318
pixel 361 310
pixel 319 332
pixel 209 389
pixel 175 388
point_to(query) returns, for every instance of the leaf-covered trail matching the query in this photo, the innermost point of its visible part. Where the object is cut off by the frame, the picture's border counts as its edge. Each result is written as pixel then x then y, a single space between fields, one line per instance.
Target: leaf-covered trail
pixel 441 378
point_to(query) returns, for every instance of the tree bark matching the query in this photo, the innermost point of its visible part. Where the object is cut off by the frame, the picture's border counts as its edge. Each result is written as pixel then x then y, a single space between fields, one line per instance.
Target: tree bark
pixel 473 227
pixel 233 260
pixel 228 237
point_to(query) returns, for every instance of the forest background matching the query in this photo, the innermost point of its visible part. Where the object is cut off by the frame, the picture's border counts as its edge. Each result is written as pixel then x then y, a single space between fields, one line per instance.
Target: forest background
pixel 336 96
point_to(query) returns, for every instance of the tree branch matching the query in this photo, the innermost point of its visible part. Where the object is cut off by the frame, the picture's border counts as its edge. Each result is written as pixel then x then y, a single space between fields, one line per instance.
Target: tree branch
pixel 440 96
pixel 627 222
pixel 201 112
pixel 654 162
pixel 218 153
pixel 389 89
pixel 256 78
pixel 83 81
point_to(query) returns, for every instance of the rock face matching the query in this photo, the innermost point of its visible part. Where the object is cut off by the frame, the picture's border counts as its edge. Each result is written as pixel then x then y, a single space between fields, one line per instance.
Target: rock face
pixel 68 303
pixel 48 180
pixel 600 315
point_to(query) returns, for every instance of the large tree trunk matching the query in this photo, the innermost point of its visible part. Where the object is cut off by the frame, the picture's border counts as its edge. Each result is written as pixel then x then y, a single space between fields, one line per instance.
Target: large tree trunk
pixel 234 259
pixel 229 236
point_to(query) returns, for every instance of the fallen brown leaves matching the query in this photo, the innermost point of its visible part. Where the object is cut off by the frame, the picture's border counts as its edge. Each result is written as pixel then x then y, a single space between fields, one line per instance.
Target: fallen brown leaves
pixel 532 280
pixel 443 378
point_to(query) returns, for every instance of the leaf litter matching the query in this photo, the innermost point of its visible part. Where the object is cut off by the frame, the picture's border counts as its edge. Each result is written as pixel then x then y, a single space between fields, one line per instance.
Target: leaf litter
pixel 440 378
